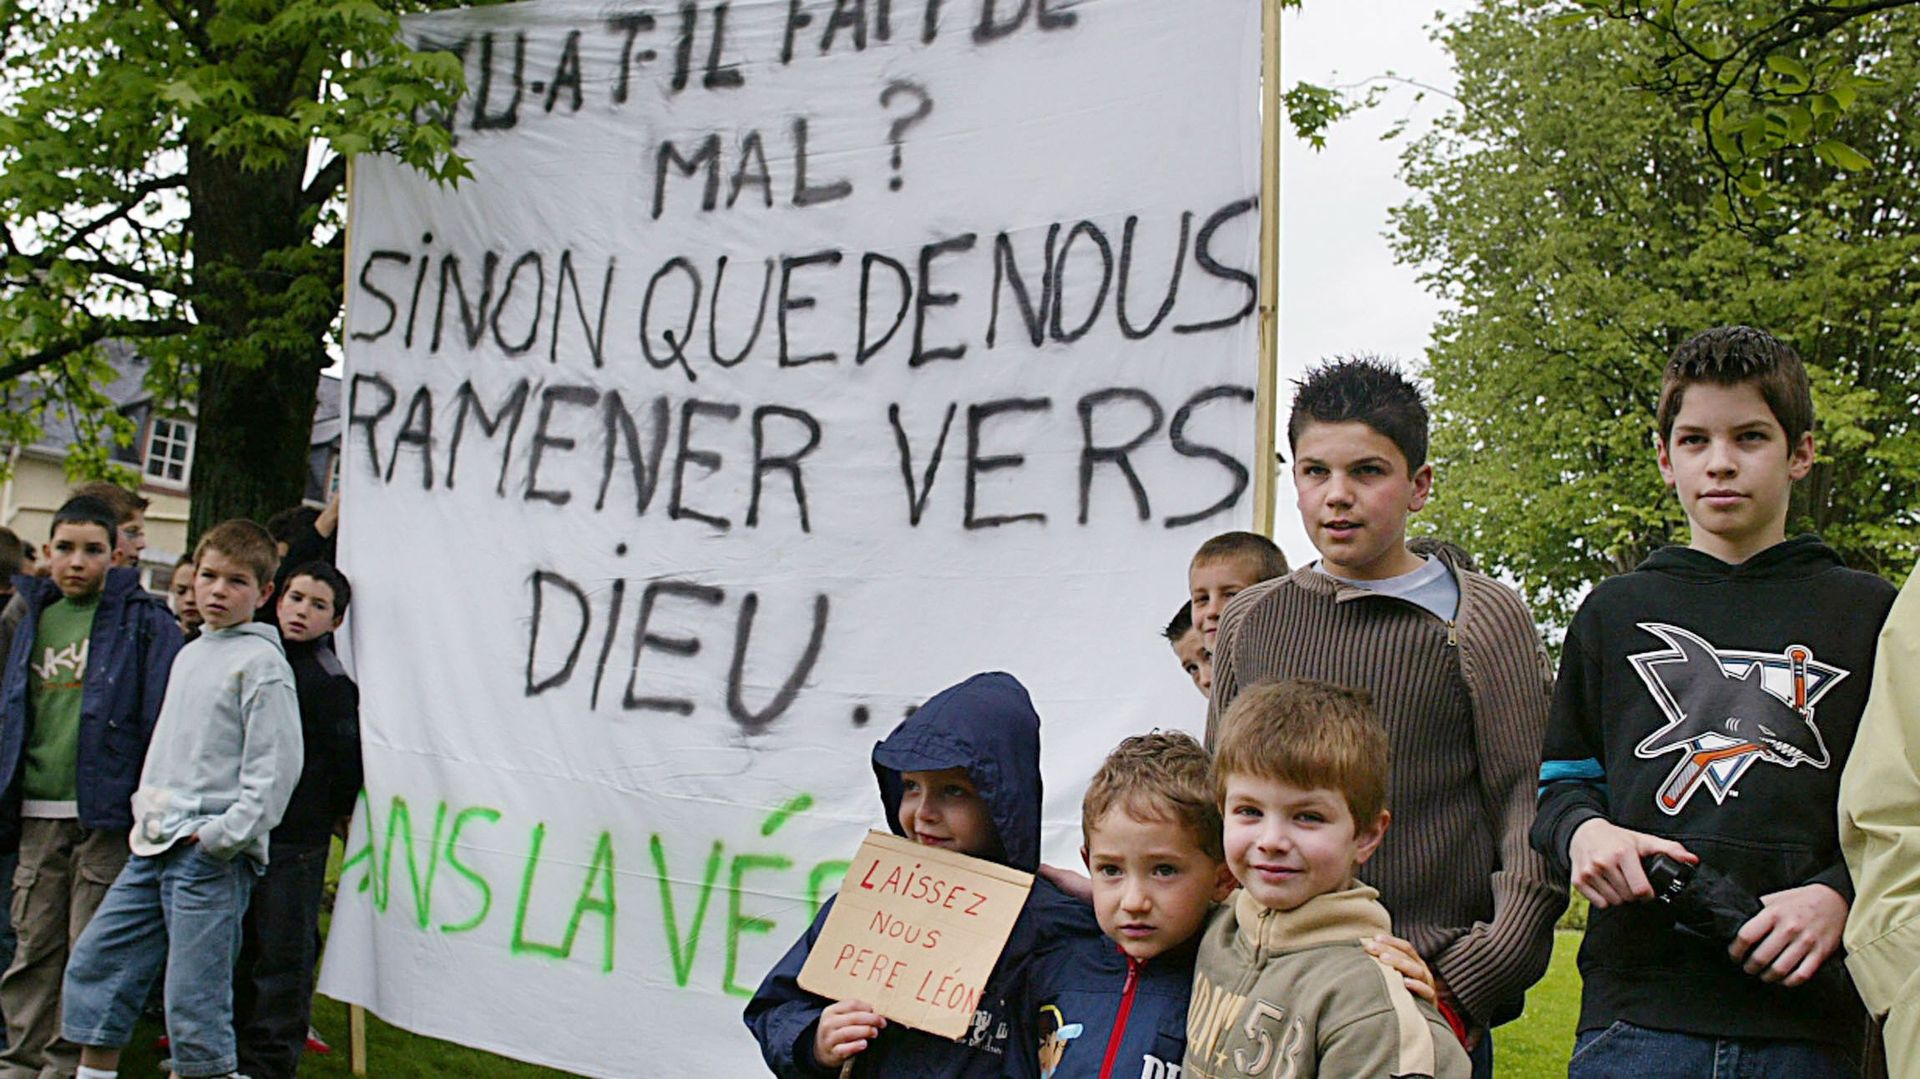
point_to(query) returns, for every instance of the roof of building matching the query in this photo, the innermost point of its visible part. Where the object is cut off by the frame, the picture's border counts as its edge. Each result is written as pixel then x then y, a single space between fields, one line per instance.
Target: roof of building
pixel 129 393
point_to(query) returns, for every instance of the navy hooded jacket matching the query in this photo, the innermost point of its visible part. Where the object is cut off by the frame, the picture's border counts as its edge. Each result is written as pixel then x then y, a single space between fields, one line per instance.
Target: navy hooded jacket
pixel 1100 1014
pixel 988 726
pixel 129 653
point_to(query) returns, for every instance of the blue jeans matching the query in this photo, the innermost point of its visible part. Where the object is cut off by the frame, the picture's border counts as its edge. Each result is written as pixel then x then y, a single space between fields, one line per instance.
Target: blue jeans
pixel 181 909
pixel 1481 1057
pixel 1624 1050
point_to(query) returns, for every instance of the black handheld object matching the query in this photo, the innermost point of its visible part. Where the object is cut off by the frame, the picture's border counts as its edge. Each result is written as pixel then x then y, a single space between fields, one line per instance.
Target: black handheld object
pixel 1703 900
pixel 1707 903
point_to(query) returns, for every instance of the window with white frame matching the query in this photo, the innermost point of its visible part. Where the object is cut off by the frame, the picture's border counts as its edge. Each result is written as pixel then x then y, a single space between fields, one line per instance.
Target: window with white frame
pixel 170 450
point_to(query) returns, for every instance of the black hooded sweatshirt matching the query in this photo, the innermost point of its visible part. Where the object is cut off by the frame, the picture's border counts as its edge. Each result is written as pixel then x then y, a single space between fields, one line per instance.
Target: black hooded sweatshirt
pixel 1715 705
pixel 330 773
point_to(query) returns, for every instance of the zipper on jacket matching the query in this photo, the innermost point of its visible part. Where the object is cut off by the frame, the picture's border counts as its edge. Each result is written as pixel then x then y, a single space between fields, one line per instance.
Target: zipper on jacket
pixel 1453 633
pixel 1120 1019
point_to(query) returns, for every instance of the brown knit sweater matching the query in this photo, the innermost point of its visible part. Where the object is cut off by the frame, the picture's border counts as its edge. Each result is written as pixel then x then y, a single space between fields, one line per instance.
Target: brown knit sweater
pixel 1465 707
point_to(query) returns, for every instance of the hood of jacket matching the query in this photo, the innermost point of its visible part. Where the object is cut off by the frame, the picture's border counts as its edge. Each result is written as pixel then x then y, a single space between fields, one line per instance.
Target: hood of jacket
pixel 988 726
pixel 261 630
pixel 1801 556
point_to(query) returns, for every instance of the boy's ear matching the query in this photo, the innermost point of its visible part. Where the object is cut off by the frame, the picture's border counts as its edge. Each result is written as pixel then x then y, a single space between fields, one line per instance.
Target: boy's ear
pixel 266 593
pixel 1084 860
pixel 1367 839
pixel 1666 459
pixel 1422 488
pixel 1800 458
pixel 1223 883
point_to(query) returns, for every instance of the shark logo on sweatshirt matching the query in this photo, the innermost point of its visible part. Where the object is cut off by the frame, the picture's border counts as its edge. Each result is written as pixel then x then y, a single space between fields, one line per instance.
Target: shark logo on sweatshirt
pixel 1728 710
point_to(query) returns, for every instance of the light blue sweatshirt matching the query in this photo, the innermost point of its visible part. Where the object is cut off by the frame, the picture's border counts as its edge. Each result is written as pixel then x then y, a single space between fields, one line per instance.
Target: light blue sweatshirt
pixel 226 750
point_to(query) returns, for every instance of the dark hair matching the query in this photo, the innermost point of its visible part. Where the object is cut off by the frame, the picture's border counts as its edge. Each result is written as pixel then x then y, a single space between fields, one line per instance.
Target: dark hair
pixel 290 523
pixel 87 510
pixel 1428 545
pixel 184 560
pixel 245 542
pixel 1181 625
pixel 328 575
pixel 122 502
pixel 1363 389
pixel 1731 356
pixel 1260 552
pixel 13 554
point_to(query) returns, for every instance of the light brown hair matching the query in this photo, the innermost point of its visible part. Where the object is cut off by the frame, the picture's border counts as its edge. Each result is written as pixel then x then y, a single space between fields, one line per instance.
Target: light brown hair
pixel 1163 776
pixel 246 543
pixel 123 502
pixel 1256 550
pixel 1312 735
pixel 1731 356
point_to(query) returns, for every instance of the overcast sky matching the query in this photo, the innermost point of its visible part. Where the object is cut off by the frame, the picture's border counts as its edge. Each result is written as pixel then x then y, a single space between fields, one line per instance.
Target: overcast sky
pixel 1340 290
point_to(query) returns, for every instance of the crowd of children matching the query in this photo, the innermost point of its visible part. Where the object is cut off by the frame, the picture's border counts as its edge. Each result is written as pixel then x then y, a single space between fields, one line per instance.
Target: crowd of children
pixel 173 770
pixel 1389 751
pixel 1356 874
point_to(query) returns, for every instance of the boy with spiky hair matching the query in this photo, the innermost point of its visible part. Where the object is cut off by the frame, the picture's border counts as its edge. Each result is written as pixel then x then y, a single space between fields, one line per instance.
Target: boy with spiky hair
pixel 1223 567
pixel 83 686
pixel 1284 982
pixel 1706 705
pixel 225 754
pixel 1456 672
pixel 1195 661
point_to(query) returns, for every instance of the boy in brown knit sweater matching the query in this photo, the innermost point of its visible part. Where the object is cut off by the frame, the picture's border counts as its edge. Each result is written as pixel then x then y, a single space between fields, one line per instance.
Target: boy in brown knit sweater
pixel 1457 676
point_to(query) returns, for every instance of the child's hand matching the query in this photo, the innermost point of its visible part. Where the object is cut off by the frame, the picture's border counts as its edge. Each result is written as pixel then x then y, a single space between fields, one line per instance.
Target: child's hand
pixel 845 1029
pixel 1606 861
pixel 1077 885
pixel 1413 970
pixel 1795 933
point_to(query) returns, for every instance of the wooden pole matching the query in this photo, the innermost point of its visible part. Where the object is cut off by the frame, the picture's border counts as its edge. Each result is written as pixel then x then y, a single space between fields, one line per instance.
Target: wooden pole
pixel 1266 389
pixel 357 1039
pixel 356 1015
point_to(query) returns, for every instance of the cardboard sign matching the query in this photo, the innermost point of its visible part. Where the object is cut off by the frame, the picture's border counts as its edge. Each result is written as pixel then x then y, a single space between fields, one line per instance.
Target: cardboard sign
pixel 915 933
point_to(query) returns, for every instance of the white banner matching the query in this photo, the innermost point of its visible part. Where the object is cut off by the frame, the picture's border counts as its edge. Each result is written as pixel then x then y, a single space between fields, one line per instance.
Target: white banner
pixel 781 364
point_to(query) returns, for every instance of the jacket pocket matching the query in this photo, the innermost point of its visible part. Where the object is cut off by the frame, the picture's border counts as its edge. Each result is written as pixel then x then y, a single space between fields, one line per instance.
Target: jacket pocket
pixel 23 881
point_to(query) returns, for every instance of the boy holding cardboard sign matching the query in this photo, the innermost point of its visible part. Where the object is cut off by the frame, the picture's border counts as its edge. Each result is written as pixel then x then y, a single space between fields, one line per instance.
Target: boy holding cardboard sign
pixel 962 775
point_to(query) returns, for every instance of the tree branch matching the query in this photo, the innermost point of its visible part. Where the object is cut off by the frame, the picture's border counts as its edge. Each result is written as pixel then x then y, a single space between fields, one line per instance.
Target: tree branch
pixel 194 30
pixel 134 198
pixel 97 332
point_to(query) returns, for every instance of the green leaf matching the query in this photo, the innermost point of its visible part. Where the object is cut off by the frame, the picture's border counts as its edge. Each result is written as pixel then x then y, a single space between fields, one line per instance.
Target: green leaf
pixel 1841 156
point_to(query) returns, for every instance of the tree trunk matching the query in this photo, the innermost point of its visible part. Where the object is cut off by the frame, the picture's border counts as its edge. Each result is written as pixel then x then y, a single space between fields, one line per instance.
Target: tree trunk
pixel 256 403
pixel 250 456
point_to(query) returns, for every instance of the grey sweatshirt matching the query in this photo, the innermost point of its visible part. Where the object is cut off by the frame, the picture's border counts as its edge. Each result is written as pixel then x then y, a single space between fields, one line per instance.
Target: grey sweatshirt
pixel 226 750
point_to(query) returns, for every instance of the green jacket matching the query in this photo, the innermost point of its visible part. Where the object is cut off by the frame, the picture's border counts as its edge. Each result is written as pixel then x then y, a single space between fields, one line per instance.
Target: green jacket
pixel 1292 993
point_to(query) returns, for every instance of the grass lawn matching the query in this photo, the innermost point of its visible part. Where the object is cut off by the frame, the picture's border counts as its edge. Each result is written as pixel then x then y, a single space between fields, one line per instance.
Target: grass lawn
pixel 1535 1045
pixel 1539 1042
